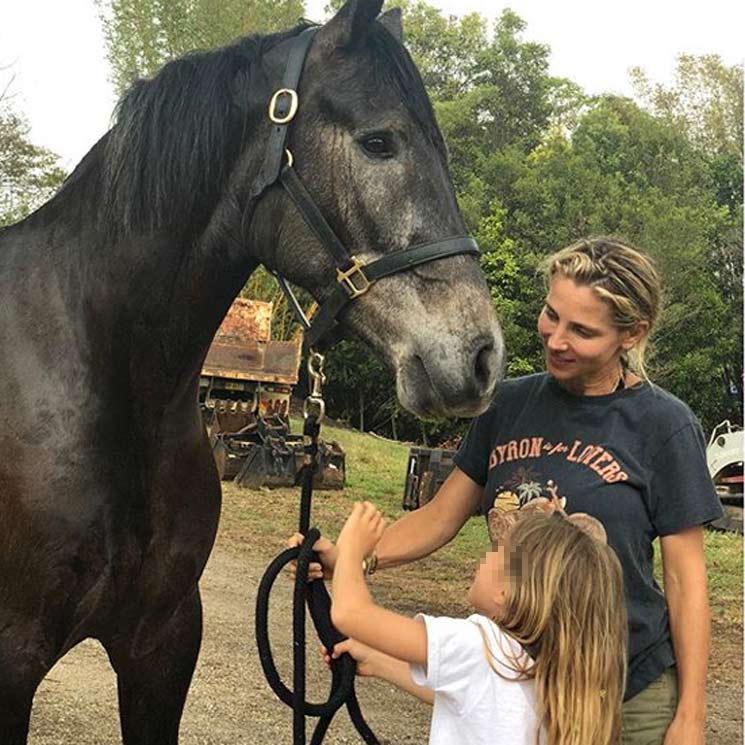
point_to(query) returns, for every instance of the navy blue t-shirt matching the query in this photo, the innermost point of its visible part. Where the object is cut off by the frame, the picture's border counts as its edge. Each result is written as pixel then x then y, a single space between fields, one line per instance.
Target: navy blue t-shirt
pixel 635 459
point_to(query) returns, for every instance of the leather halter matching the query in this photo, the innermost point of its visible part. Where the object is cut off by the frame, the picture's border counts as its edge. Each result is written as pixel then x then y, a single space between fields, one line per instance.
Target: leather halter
pixel 353 276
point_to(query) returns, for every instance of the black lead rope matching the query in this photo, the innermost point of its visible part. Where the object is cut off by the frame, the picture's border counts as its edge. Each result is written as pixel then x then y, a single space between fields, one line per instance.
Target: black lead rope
pixel 317 597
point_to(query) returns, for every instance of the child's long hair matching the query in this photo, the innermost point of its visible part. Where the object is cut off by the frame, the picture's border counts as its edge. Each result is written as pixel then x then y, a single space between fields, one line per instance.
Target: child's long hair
pixel 564 603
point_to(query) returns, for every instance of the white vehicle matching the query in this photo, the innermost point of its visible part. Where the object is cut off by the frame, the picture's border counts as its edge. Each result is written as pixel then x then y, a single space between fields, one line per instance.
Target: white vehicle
pixel 724 455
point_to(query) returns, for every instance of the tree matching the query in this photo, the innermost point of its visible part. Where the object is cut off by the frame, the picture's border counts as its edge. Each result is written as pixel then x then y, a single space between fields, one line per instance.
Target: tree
pixel 446 50
pixel 141 35
pixel 504 100
pixel 29 174
pixel 706 102
pixel 628 173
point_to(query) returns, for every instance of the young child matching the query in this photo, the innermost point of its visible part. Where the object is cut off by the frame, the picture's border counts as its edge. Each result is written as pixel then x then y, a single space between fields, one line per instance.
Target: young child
pixel 541 662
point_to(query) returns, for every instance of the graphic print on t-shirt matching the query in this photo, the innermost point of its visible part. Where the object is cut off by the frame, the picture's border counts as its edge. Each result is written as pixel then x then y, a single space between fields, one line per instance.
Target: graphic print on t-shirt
pixel 634 460
pixel 596 457
pixel 524 485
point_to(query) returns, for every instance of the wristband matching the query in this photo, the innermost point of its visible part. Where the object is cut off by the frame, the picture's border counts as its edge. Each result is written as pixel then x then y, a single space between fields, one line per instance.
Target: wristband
pixel 370 565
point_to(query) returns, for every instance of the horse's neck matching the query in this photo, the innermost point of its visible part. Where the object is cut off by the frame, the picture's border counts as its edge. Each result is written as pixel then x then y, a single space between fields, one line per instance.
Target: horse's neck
pixel 178 315
pixel 149 302
pixel 147 305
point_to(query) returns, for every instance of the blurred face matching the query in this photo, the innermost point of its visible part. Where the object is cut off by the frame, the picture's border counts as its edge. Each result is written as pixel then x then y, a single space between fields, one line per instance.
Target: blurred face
pixel 487 589
pixel 582 345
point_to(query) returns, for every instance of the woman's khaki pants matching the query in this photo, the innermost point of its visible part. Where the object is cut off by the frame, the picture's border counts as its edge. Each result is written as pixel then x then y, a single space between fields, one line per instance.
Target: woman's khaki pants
pixel 647 715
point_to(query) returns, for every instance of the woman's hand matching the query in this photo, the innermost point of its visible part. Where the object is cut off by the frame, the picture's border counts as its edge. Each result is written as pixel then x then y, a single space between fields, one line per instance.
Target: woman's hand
pixel 682 732
pixel 327 553
pixel 361 531
pixel 363 655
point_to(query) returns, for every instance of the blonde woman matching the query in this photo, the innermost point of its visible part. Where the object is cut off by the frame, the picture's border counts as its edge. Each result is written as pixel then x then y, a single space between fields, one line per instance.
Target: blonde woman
pixel 595 429
pixel 537 664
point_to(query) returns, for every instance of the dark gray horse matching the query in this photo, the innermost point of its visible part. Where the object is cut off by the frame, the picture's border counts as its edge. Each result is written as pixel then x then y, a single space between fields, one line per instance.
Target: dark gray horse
pixel 110 295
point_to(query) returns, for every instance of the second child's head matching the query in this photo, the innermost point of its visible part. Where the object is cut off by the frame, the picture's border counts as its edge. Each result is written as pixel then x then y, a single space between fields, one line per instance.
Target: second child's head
pixel 553 584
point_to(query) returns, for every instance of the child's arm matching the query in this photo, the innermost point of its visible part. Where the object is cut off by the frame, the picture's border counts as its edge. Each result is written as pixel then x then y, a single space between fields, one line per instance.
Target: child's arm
pixel 371 663
pixel 353 611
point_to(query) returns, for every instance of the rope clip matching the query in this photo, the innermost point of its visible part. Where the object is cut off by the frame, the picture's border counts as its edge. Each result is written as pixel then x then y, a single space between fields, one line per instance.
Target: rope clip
pixel 314 404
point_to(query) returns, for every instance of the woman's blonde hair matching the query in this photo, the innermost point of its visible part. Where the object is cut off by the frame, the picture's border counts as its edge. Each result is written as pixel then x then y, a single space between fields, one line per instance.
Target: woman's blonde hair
pixel 623 277
pixel 564 603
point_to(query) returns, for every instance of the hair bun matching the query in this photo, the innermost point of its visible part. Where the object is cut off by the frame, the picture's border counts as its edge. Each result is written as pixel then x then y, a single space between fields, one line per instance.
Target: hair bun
pixel 590 525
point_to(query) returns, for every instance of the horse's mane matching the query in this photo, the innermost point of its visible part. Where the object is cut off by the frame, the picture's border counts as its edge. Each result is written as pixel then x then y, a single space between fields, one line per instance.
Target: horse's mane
pixel 177 136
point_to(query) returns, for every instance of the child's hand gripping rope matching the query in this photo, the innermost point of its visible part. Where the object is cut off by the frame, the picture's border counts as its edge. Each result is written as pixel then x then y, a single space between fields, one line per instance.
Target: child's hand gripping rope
pixel 360 653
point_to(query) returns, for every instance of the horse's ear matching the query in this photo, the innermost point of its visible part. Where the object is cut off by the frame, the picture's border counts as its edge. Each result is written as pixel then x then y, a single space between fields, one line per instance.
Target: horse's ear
pixel 391 19
pixel 352 20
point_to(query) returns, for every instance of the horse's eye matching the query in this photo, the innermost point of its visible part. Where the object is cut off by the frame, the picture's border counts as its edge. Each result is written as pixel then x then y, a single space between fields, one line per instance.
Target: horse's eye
pixel 378 145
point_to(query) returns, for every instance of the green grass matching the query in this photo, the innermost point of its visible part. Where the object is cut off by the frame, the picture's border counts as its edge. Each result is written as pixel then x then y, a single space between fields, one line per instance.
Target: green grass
pixel 724 555
pixel 724 562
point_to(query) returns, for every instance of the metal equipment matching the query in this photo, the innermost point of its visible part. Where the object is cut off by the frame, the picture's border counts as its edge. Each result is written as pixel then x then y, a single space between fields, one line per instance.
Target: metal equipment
pixel 426 471
pixel 244 395
pixel 724 456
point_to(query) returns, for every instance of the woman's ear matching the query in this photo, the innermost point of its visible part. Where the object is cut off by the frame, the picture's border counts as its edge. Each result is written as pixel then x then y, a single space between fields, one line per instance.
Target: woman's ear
pixel 634 335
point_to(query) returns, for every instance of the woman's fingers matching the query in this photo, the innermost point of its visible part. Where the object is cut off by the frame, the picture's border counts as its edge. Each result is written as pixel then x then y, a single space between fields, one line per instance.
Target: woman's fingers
pixel 315 570
pixel 296 539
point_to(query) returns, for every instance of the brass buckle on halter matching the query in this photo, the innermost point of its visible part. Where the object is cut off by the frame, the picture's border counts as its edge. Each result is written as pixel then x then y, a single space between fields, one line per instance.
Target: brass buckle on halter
pixel 288 117
pixel 353 279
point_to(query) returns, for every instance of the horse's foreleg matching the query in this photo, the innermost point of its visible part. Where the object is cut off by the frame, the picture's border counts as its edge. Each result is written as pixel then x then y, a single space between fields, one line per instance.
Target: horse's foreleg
pixel 15 713
pixel 16 698
pixel 153 686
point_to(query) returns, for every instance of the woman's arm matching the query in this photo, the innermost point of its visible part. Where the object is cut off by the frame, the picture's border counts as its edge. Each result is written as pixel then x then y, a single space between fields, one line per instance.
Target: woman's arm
pixel 416 534
pixel 423 531
pixel 684 569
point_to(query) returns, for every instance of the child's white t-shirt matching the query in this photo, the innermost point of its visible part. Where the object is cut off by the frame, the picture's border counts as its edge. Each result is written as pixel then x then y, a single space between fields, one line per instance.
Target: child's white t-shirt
pixel 473 704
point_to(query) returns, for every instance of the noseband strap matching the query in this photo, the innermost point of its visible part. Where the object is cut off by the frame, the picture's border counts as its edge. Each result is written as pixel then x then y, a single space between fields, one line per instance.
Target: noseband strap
pixel 400 261
pixel 353 276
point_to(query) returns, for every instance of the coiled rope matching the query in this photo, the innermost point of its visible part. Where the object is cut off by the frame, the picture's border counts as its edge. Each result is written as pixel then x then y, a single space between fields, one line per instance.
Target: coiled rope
pixel 317 598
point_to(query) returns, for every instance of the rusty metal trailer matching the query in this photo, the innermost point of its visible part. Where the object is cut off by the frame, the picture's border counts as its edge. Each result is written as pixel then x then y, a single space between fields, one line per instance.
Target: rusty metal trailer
pixel 244 394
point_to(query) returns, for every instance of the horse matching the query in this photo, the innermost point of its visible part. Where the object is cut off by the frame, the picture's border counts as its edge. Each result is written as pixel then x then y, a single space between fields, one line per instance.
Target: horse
pixel 111 292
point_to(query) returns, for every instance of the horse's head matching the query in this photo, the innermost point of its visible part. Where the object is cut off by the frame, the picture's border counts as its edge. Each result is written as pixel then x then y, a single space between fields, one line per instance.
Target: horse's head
pixel 187 163
pixel 367 147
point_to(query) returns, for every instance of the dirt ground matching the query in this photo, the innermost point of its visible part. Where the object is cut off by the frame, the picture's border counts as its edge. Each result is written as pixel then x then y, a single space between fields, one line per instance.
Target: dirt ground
pixel 230 702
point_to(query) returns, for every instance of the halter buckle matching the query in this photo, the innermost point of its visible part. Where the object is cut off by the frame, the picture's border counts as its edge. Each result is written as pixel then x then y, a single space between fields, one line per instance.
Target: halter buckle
pixel 275 101
pixel 353 279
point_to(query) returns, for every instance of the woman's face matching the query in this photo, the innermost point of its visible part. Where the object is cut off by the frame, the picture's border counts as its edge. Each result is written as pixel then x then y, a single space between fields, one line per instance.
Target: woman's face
pixel 582 345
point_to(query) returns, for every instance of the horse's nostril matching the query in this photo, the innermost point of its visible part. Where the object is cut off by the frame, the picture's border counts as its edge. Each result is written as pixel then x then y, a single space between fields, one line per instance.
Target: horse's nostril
pixel 483 368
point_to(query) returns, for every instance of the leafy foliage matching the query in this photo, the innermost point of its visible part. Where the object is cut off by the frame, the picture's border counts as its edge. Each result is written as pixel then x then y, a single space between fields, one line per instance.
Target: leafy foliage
pixel 29 174
pixel 141 35
pixel 706 102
